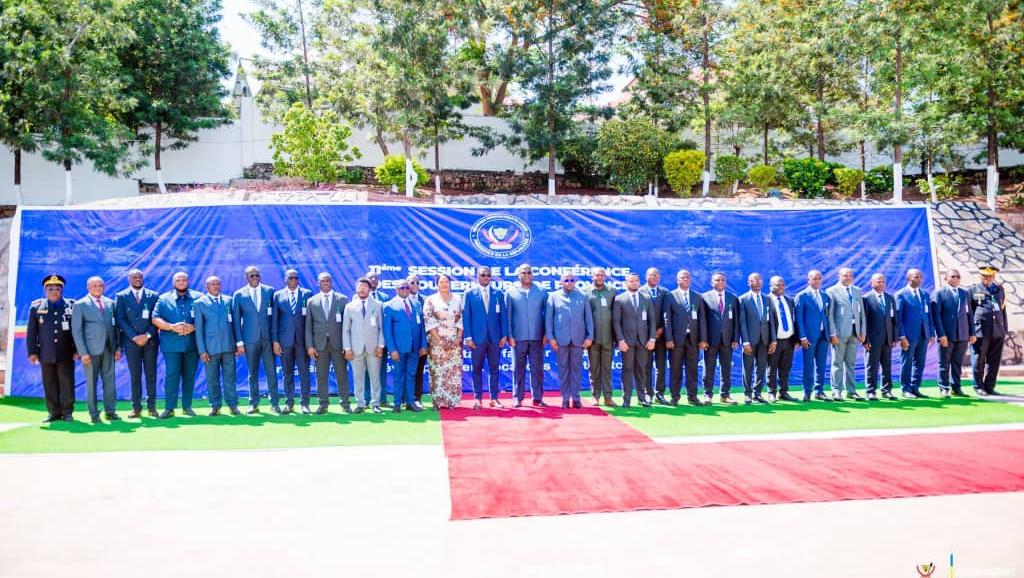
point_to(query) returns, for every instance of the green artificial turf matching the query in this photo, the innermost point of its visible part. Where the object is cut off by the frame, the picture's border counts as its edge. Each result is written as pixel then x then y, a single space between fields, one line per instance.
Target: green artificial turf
pixel 261 431
pixel 784 417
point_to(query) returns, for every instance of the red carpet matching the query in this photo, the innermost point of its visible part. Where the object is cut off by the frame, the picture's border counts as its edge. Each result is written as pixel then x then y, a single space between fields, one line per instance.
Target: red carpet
pixel 523 462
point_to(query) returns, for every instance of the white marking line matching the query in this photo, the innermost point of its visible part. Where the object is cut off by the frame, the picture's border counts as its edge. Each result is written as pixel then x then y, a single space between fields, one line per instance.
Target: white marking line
pixel 9 426
pixel 853 433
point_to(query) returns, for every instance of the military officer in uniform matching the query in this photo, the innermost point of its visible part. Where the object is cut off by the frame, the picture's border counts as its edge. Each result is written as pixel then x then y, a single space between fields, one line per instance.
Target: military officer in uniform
pixel 988 314
pixel 50 345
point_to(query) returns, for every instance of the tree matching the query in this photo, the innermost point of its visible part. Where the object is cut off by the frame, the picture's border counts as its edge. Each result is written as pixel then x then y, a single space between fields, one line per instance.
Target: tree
pixel 288 29
pixel 498 35
pixel 631 151
pixel 174 67
pixel 313 146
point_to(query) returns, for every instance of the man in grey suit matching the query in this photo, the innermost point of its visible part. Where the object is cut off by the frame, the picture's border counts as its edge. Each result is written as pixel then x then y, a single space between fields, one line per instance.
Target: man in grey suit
pixel 849 329
pixel 215 341
pixel 757 338
pixel 635 329
pixel 324 323
pixel 252 307
pixel 364 343
pixel 94 330
pixel 659 355
pixel 569 329
pixel 686 335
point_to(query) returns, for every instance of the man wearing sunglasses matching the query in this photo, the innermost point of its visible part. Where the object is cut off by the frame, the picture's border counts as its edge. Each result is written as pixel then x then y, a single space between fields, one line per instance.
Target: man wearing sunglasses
pixel 486 321
pixel 288 331
pixel 419 379
pixel 403 333
pixel 253 311
pixel 569 328
pixel 51 346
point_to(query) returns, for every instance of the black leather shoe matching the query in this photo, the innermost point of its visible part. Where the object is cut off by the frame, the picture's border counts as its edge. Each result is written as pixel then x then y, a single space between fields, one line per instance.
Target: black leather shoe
pixel 276 409
pixel 68 418
pixel 167 413
pixel 577 404
pixel 518 403
pixel 51 419
pixel 189 412
pixel 305 409
pixel 889 396
pixel 759 399
pixel 694 402
pixel 822 397
pixel 993 392
pixel 960 393
pixel 625 403
pixel 252 410
pixel 661 399
pixel 413 408
pixel 674 401
pixel 347 408
pixel 153 413
pixel 359 409
pixel 113 417
pixel 565 404
pixel 214 412
pixel 234 411
pixel 921 395
pixel 787 397
pixel 321 410
pixel 95 419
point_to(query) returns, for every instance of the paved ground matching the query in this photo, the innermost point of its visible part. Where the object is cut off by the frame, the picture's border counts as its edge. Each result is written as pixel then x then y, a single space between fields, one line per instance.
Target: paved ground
pixel 383 511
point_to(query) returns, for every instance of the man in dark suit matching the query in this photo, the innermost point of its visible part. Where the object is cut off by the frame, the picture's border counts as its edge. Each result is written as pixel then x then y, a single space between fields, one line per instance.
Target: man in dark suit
pixel 780 354
pixel 756 335
pixel 814 330
pixel 659 355
pixel 722 309
pixel 140 339
pixel 253 311
pixel 988 313
pixel 95 332
pixel 50 345
pixel 951 307
pixel 686 335
pixel 634 327
pixel 421 365
pixel 916 332
pixel 288 331
pixel 882 336
pixel 325 318
pixel 485 320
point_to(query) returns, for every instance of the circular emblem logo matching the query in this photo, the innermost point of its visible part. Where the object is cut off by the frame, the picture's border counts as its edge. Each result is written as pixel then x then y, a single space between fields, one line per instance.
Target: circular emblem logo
pixel 500 236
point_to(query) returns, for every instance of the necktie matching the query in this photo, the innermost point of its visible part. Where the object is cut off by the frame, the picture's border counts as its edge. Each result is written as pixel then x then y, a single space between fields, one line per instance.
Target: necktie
pixel 487 300
pixel 408 311
pixel 291 300
pixel 721 304
pixel 220 301
pixel 364 308
pixel 138 297
pixel 327 305
pixel 881 299
pixel 99 303
pixel 849 293
pixel 686 300
pixel 782 313
pixel 636 301
pixel 256 298
pixel 654 293
pixel 817 297
pixel 760 307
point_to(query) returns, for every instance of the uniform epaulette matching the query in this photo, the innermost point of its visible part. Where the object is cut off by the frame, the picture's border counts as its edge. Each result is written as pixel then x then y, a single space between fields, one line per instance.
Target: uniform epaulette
pixel 38 302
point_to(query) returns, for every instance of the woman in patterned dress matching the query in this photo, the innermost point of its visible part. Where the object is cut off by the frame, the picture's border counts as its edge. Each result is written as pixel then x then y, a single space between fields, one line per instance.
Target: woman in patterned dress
pixel 442 315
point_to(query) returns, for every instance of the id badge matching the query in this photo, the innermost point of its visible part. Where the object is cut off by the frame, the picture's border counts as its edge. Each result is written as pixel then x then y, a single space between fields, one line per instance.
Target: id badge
pixel 270 310
pixel 497 308
pixel 730 314
pixel 192 313
pixel 373 321
pixel 229 318
pixel 113 321
pixel 643 315
pixel 145 313
pixel 604 302
pixel 693 315
pixel 303 311
pixel 337 317
pixel 892 313
pixel 926 308
pixel 65 326
pixel 418 320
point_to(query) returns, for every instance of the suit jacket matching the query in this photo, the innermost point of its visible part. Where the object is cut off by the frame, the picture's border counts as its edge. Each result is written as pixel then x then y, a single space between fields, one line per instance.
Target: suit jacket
pixel 215 330
pixel 323 328
pixel 776 319
pixel 45 332
pixel 526 313
pixel 913 316
pixel 567 318
pixel 634 325
pixel 403 332
pixel 812 322
pixel 988 311
pixel 685 323
pixel 482 326
pixel 131 320
pixel 657 302
pixel 721 327
pixel 288 327
pixel 755 324
pixel 951 313
pixel 251 325
pixel 94 331
pixel 880 319
pixel 361 333
pixel 842 313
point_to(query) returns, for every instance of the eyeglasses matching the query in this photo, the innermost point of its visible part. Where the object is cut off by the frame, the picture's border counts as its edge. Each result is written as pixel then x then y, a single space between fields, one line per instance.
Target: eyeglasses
pixel 291 278
pixel 414 283
pixel 954 276
pixel 53 288
pixel 568 280
pixel 251 275
pixel 403 288
pixel 485 275
pixel 526 273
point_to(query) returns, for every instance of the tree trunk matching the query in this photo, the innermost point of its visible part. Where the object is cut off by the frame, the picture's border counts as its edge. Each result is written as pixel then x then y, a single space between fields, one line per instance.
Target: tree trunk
pixel 158 138
pixel 552 149
pixel 437 162
pixel 65 134
pixel 305 58
pixel 705 49
pixel 17 175
pixel 819 128
pixel 991 134
pixel 410 173
pixel 864 170
pixel 378 138
pixel 764 143
pixel 897 147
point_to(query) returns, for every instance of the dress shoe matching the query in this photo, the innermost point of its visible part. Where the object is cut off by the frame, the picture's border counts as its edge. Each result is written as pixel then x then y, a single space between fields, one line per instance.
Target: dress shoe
pixel 707 399
pixel 759 399
pixel 674 401
pixel 944 394
pixel 234 411
pixel 625 403
pixel 153 413
pixel 855 396
pixel 396 409
pixel 275 409
pixel 287 409
pixel 477 404
pixel 347 408
pixel 377 409
pixel 837 397
pixel 920 395
pixel 889 396
pixel 112 416
pixel 539 403
pixel 214 412
pixel 993 392
pixel 253 410
pixel 68 418
pixel 872 397
pixel 747 400
pixel 577 404
pixel 980 392
pixel 413 408
pixel 321 410
pixel 694 402
pixel 609 402
pixel 95 419
pixel 822 397
pixel 807 397
pixel 359 409
pixel 496 403
pixel 565 404
pixel 660 398
pixel 167 413
pixel 787 397
pixel 135 414
pixel 51 419
pixel 417 405
pixel 518 403
pixel 305 409
pixel 960 393
pixel 189 412
pixel 726 399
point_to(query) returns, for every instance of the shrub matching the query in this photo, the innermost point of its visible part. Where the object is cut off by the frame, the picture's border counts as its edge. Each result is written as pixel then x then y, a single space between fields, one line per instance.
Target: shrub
pixel 630 150
pixel 878 181
pixel 848 180
pixel 730 170
pixel 683 170
pixel 761 176
pixel 392 172
pixel 832 180
pixel 946 187
pixel 806 176
pixel 577 157
pixel 312 146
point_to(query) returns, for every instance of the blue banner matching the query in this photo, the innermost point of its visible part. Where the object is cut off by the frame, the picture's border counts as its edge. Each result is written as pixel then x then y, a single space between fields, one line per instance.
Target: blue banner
pixel 348 240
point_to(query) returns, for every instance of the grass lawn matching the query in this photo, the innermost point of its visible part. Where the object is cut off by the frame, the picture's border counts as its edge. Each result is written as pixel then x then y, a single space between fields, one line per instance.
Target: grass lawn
pixel 783 417
pixel 338 429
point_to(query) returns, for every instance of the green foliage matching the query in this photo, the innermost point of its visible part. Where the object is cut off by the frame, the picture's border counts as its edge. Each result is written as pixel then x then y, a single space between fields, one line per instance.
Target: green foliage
pixel 312 146
pixel 831 180
pixel 806 176
pixel 878 181
pixel 578 157
pixel 762 176
pixel 730 169
pixel 392 172
pixel 631 151
pixel 848 180
pixel 683 170
pixel 946 186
